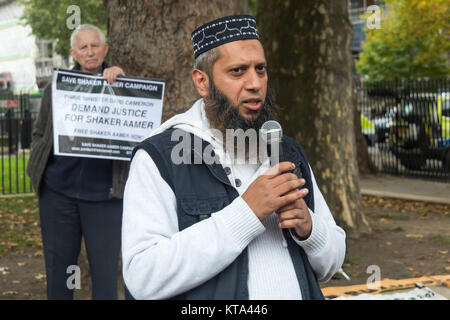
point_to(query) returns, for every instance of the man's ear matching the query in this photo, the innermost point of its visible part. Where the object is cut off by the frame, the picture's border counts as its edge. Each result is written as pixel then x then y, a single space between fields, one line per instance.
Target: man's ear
pixel 106 49
pixel 201 82
pixel 72 54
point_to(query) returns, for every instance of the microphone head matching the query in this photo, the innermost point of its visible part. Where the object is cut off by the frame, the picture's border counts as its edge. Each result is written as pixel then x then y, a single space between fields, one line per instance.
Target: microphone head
pixel 271 131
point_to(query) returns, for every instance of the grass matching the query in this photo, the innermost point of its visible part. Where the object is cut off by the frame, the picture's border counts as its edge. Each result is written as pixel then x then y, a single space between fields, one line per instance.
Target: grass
pixel 19 224
pixel 440 238
pixel 13 177
pixel 351 260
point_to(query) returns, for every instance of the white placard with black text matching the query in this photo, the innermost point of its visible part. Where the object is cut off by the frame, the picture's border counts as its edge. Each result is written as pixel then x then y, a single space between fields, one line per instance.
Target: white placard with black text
pixel 94 119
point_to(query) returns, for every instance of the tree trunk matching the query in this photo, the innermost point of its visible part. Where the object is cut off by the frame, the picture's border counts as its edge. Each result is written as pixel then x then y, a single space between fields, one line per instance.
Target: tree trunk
pixel 307 45
pixel 152 39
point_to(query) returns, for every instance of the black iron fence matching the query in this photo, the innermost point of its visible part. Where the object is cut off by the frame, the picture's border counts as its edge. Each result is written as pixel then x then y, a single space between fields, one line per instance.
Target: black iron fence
pixel 407 126
pixel 17 114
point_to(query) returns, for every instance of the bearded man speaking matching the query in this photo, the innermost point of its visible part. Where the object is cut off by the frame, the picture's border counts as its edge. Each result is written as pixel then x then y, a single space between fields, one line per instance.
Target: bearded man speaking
pixel 217 229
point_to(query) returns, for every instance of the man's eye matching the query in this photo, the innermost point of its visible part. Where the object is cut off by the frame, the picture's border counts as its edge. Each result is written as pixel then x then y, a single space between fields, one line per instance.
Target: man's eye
pixel 237 70
pixel 261 69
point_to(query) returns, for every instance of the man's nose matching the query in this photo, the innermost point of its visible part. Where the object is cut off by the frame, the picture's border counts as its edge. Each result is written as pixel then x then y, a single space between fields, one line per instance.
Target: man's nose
pixel 90 52
pixel 253 81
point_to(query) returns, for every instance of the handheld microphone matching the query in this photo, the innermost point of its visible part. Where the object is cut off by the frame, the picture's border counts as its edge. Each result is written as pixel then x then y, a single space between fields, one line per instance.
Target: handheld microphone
pixel 272 134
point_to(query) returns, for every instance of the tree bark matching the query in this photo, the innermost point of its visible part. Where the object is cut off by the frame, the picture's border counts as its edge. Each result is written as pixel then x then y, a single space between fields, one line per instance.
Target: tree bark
pixel 152 39
pixel 307 45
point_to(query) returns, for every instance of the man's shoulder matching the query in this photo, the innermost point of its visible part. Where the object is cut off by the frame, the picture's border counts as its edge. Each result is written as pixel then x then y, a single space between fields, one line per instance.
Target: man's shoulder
pixel 153 143
pixel 163 137
pixel 161 141
pixel 47 90
pixel 293 147
pixel 46 100
pixel 291 143
pixel 48 86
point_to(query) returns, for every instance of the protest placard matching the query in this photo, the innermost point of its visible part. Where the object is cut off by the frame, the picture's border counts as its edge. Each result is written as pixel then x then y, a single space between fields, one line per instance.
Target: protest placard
pixel 94 119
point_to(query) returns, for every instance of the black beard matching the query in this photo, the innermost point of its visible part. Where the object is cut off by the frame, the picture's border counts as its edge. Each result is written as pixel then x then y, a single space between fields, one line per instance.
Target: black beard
pixel 224 115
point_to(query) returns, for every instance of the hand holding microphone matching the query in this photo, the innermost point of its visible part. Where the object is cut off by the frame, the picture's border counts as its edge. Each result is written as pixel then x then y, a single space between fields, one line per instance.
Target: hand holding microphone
pixel 272 134
pixel 277 187
pixel 273 190
pixel 277 190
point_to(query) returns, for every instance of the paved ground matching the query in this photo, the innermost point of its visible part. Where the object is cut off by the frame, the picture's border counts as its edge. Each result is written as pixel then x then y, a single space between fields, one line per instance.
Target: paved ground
pixel 384 185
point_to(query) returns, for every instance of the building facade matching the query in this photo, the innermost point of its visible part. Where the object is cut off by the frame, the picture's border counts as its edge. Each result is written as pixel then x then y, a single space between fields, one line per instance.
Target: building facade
pixel 26 63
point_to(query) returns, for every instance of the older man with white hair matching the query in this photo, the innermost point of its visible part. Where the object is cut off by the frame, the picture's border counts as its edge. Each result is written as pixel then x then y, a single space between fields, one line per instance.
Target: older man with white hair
pixel 78 196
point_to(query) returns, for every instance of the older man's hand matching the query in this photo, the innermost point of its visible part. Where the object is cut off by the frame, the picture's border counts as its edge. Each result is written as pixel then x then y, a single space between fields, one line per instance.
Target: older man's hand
pixel 111 74
pixel 296 216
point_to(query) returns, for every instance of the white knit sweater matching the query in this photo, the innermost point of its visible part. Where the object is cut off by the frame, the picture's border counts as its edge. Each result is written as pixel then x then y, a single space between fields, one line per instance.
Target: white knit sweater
pixel 159 261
